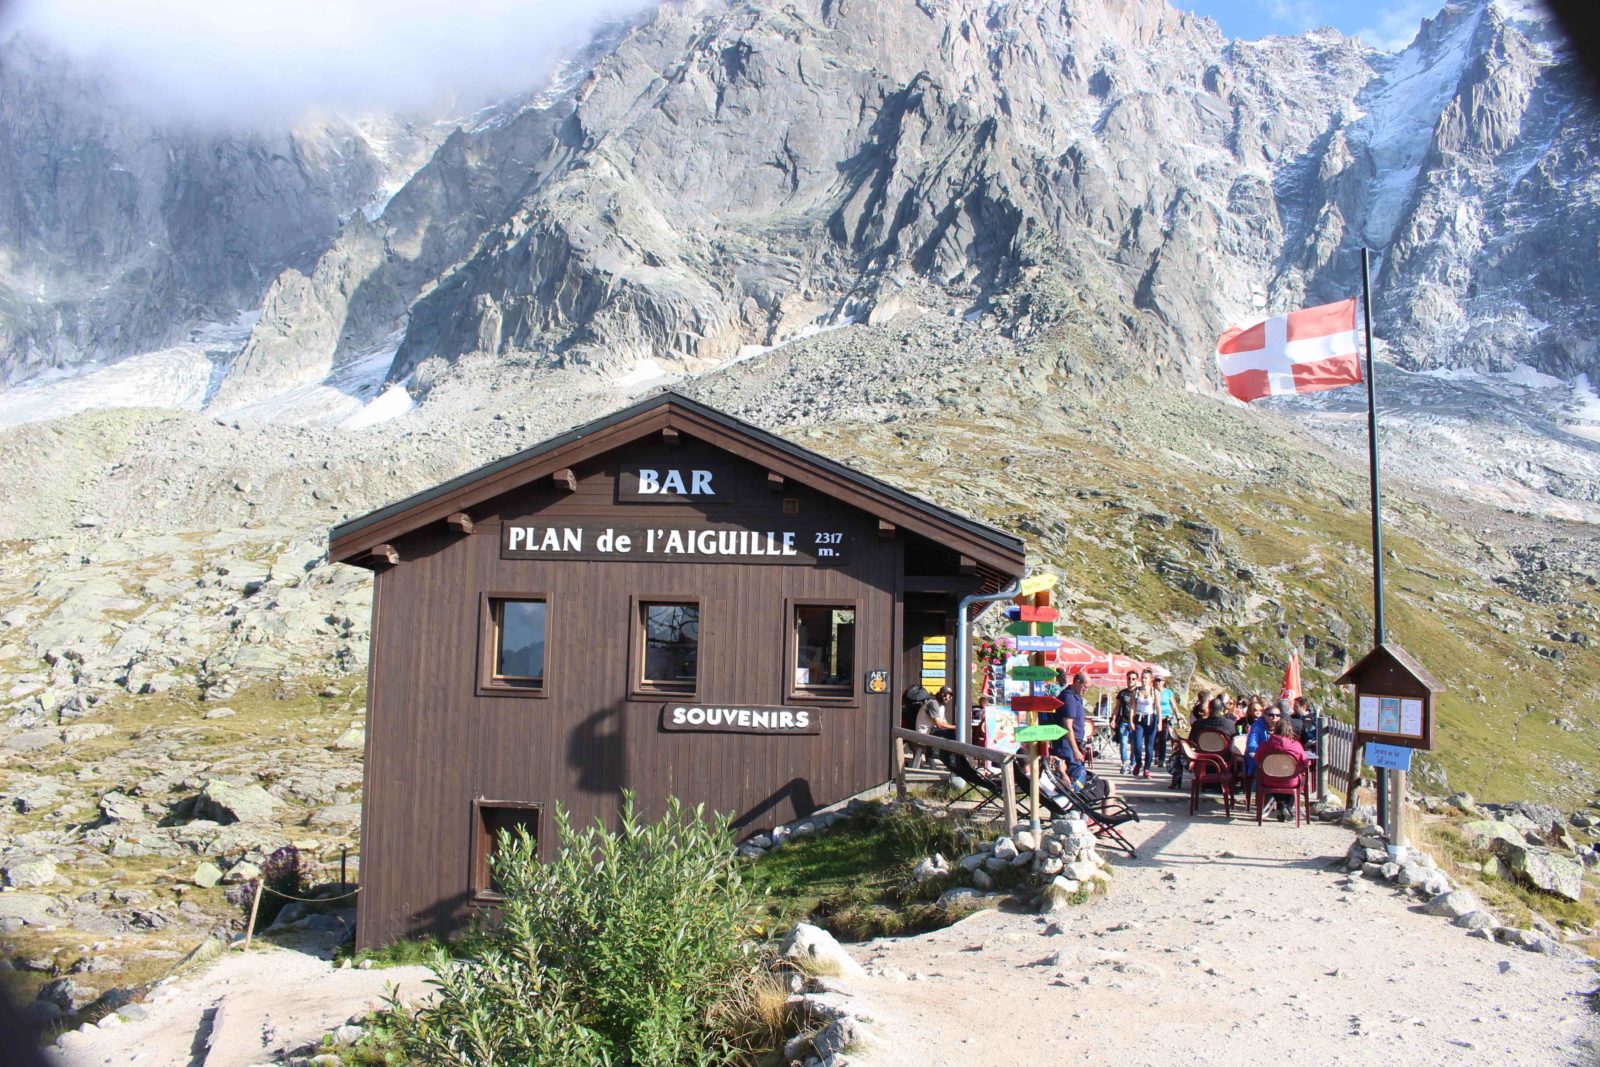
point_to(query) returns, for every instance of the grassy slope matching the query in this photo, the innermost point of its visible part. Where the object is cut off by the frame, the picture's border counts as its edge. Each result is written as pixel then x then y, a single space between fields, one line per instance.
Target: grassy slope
pixel 1079 480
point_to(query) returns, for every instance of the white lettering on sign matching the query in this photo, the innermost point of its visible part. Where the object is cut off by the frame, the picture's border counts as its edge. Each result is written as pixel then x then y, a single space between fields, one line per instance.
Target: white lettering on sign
pixel 739 720
pixel 673 543
pixel 672 483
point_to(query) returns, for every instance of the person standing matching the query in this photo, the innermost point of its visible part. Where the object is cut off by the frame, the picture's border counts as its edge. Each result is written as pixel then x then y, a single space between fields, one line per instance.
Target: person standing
pixel 1146 714
pixel 1122 719
pixel 1167 703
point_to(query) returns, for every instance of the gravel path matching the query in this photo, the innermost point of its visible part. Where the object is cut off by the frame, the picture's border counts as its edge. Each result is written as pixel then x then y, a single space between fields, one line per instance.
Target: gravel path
pixel 1224 943
pixel 244 1009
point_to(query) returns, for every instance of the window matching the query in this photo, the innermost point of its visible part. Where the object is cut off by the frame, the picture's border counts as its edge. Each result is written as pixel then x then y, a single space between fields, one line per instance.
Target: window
pixel 669 646
pixel 489 818
pixel 513 644
pixel 825 649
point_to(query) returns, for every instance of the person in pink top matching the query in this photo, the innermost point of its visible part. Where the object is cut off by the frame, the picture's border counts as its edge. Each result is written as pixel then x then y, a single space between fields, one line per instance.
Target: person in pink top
pixel 1281 739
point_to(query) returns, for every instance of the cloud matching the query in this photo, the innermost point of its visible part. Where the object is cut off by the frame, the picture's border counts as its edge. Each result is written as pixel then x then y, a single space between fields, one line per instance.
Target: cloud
pixel 277 61
pixel 1397 26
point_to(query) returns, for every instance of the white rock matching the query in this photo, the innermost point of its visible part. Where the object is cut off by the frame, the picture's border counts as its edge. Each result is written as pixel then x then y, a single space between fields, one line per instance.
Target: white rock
pixel 814 945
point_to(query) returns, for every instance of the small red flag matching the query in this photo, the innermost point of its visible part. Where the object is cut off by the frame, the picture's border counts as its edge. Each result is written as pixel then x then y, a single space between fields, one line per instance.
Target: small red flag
pixel 1301 352
pixel 1291 678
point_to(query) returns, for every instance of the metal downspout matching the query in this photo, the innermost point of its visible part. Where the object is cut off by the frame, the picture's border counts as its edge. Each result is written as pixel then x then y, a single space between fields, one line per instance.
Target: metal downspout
pixel 964 656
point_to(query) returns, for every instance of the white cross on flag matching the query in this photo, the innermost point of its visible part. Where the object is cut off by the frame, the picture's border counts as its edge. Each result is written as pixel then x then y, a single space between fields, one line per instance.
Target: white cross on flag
pixel 1301 352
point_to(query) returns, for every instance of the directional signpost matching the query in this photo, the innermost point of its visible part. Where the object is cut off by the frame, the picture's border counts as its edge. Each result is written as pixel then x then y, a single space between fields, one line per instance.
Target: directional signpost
pixel 1046 733
pixel 1037 644
pixel 1032 674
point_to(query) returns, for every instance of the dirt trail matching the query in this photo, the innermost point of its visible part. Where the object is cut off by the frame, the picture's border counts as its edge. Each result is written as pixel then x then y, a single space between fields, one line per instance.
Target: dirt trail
pixel 243 1009
pixel 1225 943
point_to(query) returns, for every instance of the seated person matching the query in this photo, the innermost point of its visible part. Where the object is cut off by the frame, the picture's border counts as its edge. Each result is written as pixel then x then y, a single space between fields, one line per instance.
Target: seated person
pixel 1260 729
pixel 1282 739
pixel 929 719
pixel 1216 718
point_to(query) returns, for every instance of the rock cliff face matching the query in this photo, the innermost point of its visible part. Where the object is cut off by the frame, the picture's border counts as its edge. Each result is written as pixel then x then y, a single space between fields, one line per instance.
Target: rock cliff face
pixel 716 176
pixel 118 236
pixel 728 176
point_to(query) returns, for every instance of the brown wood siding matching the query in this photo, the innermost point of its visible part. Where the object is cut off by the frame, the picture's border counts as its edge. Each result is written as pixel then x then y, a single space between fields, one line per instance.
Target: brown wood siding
pixel 435 745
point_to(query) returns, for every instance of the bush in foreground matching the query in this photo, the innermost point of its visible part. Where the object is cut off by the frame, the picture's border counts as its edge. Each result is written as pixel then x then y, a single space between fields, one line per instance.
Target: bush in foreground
pixel 627 949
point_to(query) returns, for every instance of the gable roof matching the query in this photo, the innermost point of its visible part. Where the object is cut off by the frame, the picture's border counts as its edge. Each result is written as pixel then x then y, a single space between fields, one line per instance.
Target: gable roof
pixel 1396 655
pixel 999 554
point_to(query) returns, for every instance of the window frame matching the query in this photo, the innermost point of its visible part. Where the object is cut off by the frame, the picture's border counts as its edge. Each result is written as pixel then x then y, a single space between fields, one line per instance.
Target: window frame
pixel 795 693
pixel 487 683
pixel 640 688
pixel 478 890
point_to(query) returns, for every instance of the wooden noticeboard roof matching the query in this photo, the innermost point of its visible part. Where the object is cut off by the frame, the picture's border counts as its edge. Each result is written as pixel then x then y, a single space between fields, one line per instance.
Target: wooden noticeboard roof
pixel 1388 656
pixel 999 556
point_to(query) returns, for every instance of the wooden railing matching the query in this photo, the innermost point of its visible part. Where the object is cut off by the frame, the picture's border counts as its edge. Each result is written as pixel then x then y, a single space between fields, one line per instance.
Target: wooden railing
pixel 1001 759
pixel 1337 742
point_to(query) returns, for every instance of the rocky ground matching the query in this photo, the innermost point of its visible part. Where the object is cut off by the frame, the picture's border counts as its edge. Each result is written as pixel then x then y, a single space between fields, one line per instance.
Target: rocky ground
pixel 1224 941
pixel 167 619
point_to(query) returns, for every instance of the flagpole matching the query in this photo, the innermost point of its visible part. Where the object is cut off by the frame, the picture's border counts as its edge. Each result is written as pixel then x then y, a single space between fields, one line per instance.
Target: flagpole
pixel 1388 814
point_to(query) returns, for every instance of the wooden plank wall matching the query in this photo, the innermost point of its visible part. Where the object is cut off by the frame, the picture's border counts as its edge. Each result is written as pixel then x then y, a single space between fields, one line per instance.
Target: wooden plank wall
pixel 434 745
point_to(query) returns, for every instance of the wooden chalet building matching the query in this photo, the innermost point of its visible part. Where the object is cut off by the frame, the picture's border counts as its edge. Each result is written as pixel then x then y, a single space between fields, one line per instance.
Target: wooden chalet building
pixel 667 600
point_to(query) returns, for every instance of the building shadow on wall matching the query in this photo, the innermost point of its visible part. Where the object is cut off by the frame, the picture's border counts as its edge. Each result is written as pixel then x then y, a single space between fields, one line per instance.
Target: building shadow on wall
pixel 595 747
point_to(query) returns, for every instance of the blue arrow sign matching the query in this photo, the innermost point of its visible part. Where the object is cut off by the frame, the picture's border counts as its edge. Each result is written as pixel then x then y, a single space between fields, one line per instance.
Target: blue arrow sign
pixel 1388 757
pixel 1038 644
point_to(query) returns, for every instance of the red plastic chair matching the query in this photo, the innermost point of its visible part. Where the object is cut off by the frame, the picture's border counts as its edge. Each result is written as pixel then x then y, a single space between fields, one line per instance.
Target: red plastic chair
pixel 1280 774
pixel 1211 760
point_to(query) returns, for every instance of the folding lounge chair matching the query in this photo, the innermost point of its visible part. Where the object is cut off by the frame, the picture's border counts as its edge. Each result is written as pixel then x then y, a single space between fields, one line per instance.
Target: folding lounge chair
pixel 1104 817
pixel 977 782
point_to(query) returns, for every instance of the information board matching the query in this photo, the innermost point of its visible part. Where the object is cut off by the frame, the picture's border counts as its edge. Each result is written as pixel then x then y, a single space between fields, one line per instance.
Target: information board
pixel 1393 716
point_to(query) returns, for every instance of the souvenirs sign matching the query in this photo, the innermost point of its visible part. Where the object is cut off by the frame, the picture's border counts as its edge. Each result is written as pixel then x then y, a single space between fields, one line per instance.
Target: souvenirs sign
pixel 675 543
pixel 739 719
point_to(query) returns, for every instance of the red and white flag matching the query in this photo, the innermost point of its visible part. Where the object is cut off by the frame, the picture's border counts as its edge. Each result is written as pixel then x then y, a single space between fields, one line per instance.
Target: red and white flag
pixel 1291 678
pixel 1300 352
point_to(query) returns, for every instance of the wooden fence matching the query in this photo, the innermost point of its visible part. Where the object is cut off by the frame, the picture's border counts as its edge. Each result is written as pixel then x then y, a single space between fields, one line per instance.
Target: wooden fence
pixel 1337 739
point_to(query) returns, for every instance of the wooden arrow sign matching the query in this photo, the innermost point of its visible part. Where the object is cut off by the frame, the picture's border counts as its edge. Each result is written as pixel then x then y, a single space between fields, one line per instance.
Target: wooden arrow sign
pixel 1037 583
pixel 1023 629
pixel 1047 732
pixel 1037 644
pixel 1033 674
pixel 1034 703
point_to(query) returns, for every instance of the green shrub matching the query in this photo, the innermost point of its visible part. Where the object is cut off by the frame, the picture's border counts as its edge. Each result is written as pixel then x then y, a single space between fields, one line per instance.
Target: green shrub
pixel 627 949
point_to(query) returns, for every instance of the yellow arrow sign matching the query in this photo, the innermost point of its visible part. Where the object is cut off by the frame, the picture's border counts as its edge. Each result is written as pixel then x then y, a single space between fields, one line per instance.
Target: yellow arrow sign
pixel 1037 583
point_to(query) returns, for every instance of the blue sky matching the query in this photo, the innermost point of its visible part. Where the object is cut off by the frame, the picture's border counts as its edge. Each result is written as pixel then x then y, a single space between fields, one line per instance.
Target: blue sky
pixel 1388 25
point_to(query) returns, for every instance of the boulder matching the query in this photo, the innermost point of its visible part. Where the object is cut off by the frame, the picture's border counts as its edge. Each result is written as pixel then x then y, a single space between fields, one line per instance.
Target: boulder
pixel 1495 867
pixel 982 880
pixel 1451 905
pixel 1484 833
pixel 207 875
pixel 67 994
pixel 119 807
pixel 223 802
pixel 817 950
pixel 929 868
pixel 356 737
pixel 1476 920
pixel 1462 802
pixel 1543 869
pixel 1058 895
pixel 962 896
pixel 29 873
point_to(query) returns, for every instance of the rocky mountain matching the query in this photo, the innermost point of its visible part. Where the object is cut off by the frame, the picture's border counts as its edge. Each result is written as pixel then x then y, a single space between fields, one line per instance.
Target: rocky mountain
pixel 721 176
pixel 119 235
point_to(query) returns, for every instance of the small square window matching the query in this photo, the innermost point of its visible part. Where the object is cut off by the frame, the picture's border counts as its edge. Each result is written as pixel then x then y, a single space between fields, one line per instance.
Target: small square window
pixel 669 646
pixel 824 649
pixel 490 818
pixel 514 645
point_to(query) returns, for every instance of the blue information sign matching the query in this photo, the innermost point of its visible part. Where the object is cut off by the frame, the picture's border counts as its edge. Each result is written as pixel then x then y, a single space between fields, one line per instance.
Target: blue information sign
pixel 1038 644
pixel 1388 757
